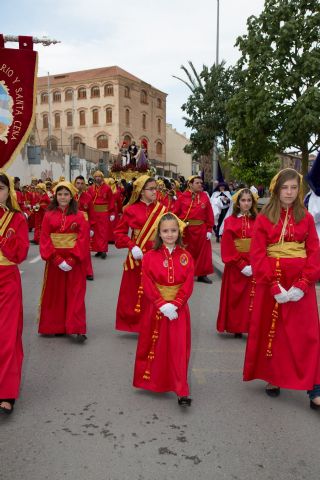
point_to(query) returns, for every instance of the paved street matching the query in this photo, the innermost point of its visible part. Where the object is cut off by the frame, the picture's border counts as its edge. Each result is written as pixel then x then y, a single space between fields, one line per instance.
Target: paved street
pixel 79 417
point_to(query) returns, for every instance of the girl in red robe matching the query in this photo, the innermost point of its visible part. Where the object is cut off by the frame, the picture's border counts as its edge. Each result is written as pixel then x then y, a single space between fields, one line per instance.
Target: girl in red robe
pixel 237 287
pixel 164 343
pixel 139 215
pixel 64 244
pixel 284 337
pixel 39 210
pixel 14 245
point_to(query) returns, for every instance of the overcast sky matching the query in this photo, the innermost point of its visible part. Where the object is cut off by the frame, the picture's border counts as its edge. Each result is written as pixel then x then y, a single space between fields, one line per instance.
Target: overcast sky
pixel 149 38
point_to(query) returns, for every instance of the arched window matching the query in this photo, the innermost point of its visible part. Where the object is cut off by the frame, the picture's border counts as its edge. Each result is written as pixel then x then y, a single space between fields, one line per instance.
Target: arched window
pixel 159 125
pixel 159 103
pixel 127 92
pixel 109 115
pixel 52 144
pixel 95 92
pixel 44 97
pixel 82 93
pixel 69 119
pixel 144 121
pixel 56 96
pixel 95 116
pixel 127 140
pixel 108 90
pixel 159 148
pixel 57 120
pixel 76 142
pixel 45 121
pixel 143 96
pixel 127 115
pixel 82 117
pixel 102 141
pixel 68 94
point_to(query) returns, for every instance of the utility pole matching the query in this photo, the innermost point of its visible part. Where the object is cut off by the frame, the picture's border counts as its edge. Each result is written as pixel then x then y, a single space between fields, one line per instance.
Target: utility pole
pixel 214 147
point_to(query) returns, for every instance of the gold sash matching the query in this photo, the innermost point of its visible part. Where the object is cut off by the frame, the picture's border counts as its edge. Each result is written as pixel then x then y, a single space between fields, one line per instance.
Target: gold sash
pixel 243 244
pixel 287 250
pixel 63 240
pixel 193 222
pixel 101 208
pixel 4 223
pixel 168 292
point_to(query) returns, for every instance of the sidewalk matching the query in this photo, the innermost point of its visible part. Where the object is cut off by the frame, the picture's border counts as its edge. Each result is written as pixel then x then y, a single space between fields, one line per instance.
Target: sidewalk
pixel 219 266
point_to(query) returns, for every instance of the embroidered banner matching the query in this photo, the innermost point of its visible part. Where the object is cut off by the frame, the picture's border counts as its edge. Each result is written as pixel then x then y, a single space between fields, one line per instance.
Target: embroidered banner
pixel 18 72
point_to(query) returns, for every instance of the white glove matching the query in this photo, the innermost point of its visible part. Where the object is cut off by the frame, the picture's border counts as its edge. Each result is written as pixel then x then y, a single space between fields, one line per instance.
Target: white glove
pixel 112 217
pixel 137 253
pixel 247 271
pixel 64 266
pixel 282 297
pixel 26 215
pixel 209 235
pixel 169 310
pixel 91 233
pixel 295 294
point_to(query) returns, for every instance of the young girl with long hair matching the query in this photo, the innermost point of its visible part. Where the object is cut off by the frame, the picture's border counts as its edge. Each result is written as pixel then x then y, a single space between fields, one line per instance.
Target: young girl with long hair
pixel 164 343
pixel 64 244
pixel 237 289
pixel 283 345
pixel 14 245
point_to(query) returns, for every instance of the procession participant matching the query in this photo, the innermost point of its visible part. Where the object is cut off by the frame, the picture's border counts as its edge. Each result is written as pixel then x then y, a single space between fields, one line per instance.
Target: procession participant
pixel 85 205
pixel 117 197
pixel 64 244
pixel 14 244
pixel 169 195
pixel 103 214
pixel 193 207
pixel 160 190
pixel 133 150
pixel 31 199
pixel 164 344
pixel 222 207
pixel 284 338
pixel 39 209
pixel 312 200
pixel 49 187
pixel 19 194
pixel 237 289
pixel 140 215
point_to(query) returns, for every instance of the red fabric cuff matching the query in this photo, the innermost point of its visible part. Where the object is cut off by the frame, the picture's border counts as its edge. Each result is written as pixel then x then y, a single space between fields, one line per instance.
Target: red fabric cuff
pixel 302 284
pixel 131 244
pixel 241 263
pixel 57 259
pixel 160 302
pixel 275 289
pixel 71 261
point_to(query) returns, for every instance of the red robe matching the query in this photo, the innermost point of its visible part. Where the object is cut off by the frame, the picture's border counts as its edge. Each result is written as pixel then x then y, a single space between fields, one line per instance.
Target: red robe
pixel 85 205
pixel 197 207
pixel 31 199
pixel 62 305
pixel 163 349
pixel 118 198
pixel 103 207
pixel 128 308
pixel 294 361
pixel 236 289
pixel 43 202
pixel 14 245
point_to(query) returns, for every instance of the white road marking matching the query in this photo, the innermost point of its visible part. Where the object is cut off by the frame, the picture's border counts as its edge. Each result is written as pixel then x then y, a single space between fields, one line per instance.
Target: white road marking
pixel 35 259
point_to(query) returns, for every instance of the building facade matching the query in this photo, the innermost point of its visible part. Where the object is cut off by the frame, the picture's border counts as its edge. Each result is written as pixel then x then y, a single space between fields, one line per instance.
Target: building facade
pixel 175 154
pixel 101 108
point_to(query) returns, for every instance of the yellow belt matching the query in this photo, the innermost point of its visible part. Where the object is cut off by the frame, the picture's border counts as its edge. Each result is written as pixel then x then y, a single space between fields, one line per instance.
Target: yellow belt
pixel 193 222
pixel 168 292
pixel 287 250
pixel 243 244
pixel 64 240
pixel 100 208
pixel 4 261
pixel 136 232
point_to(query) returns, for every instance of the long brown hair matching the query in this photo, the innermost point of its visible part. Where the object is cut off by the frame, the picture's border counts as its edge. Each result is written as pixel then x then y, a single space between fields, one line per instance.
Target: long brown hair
pixel 72 207
pixel 236 207
pixel 158 240
pixel 4 179
pixel 273 208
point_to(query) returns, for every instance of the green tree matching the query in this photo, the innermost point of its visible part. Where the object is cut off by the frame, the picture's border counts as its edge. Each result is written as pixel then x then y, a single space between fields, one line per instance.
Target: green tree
pixel 276 105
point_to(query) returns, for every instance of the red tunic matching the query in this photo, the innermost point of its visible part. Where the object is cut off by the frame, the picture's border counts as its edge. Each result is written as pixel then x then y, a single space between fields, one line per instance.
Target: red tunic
pixel 62 308
pixel 14 245
pixel 43 202
pixel 134 217
pixel 85 205
pixel 163 349
pixel 196 208
pixel 117 196
pixel 235 299
pixel 103 207
pixel 31 199
pixel 294 361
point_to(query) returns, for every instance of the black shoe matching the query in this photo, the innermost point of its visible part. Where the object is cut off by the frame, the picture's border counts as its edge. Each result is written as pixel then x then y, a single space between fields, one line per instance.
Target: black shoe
pixel 103 255
pixel 90 277
pixel 5 410
pixel 314 406
pixel 34 242
pixel 184 401
pixel 59 334
pixel 81 338
pixel 204 279
pixel 238 335
pixel 98 254
pixel 273 392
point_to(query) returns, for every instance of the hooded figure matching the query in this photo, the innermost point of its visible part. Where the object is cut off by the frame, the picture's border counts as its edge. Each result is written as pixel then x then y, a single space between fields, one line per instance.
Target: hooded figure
pixel 312 200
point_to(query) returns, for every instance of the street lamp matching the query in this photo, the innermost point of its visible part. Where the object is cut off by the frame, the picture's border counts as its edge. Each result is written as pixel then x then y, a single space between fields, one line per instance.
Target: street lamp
pixel 214 149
